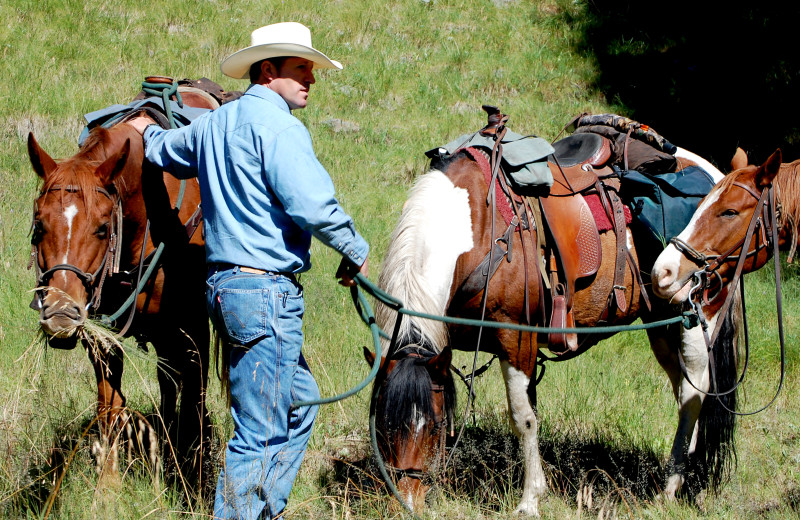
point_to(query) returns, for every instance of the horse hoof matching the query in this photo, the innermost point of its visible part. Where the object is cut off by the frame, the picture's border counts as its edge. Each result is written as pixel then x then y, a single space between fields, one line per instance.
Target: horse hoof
pixel 527 510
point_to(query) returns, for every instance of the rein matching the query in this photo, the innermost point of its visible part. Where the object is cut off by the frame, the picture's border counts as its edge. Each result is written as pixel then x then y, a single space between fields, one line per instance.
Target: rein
pixel 766 216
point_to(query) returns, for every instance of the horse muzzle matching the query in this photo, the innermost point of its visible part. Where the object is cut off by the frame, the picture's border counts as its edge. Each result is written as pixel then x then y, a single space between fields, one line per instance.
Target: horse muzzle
pixel 60 319
pixel 671 275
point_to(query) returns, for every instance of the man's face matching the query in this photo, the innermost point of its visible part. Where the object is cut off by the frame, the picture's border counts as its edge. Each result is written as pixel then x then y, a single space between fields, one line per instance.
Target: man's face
pixel 293 81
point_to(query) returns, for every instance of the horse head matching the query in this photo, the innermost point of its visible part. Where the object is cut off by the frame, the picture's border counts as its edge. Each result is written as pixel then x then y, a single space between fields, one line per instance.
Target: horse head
pixel 714 239
pixel 414 403
pixel 75 231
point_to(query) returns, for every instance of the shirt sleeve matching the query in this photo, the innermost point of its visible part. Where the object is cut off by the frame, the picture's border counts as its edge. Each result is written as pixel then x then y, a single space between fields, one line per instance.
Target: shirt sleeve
pixel 171 150
pixel 306 191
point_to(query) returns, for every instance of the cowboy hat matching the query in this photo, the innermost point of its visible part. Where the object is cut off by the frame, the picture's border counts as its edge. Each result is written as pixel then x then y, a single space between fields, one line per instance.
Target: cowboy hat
pixel 272 41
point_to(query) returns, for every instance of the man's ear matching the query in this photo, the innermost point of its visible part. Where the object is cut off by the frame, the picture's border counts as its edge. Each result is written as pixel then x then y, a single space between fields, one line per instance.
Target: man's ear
pixel 268 71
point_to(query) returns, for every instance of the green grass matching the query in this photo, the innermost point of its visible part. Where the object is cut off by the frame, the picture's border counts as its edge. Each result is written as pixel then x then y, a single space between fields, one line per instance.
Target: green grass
pixel 415 75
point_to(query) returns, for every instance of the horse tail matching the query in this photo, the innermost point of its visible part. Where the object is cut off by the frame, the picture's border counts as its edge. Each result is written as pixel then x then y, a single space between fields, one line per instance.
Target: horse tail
pixel 716 449
pixel 433 231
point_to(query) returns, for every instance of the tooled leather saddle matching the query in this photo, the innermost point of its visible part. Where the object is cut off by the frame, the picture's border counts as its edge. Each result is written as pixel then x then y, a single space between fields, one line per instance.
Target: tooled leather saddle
pixel 568 235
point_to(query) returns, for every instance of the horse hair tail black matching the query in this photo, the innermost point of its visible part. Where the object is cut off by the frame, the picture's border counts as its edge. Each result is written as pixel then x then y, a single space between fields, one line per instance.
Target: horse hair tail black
pixel 715 454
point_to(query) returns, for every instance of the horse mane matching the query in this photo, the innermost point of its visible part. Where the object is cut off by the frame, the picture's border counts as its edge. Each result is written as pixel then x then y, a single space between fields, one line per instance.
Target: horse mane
pixel 407 394
pixel 716 449
pixel 400 274
pixel 788 182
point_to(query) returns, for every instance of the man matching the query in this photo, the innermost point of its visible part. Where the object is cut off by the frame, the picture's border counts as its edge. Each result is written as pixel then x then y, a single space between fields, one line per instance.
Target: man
pixel 264 195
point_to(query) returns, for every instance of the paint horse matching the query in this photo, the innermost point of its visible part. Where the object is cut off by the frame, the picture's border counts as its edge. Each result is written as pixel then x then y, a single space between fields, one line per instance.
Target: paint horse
pixel 442 238
pixel 98 218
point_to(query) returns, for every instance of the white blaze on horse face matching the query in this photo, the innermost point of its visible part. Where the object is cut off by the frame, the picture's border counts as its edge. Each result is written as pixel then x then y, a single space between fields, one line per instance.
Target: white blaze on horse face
pixel 69 215
pixel 668 280
pixel 419 421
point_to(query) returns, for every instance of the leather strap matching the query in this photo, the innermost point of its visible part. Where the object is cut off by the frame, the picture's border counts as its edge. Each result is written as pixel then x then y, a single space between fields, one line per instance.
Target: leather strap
pixel 474 283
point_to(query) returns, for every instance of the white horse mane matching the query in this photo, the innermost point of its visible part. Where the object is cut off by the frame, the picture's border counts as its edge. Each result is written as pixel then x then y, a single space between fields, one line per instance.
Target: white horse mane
pixel 434 229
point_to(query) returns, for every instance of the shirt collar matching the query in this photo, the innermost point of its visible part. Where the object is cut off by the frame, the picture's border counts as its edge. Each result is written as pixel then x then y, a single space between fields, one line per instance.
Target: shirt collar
pixel 264 92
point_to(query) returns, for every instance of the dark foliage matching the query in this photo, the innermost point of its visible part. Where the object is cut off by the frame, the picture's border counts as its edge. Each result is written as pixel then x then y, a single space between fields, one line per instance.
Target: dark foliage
pixel 709 76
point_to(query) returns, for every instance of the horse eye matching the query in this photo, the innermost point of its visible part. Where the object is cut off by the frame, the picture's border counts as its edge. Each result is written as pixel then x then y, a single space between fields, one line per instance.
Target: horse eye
pixel 729 213
pixel 102 231
pixel 36 232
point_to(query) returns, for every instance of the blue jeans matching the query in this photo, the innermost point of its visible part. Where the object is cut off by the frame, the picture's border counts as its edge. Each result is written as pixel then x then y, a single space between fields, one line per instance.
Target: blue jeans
pixel 262 315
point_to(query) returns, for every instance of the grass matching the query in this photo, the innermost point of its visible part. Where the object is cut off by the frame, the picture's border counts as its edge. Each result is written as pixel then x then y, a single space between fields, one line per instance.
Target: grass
pixel 416 73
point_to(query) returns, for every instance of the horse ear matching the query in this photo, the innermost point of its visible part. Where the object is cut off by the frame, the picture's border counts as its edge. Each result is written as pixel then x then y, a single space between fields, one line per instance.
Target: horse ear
pixel 112 166
pixel 767 171
pixel 739 160
pixel 439 364
pixel 42 163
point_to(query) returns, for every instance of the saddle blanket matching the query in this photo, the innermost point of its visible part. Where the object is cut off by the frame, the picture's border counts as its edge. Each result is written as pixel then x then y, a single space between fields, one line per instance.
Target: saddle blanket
pixel 600 217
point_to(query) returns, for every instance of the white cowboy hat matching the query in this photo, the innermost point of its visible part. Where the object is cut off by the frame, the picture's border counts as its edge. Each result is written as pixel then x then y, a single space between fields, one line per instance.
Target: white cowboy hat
pixel 272 41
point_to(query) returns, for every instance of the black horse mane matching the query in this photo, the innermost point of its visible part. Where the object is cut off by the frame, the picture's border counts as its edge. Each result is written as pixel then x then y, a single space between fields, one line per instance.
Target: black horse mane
pixel 443 161
pixel 407 391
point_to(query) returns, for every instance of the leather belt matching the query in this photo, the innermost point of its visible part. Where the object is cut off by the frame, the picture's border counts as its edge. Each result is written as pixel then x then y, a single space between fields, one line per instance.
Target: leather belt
pixel 253 270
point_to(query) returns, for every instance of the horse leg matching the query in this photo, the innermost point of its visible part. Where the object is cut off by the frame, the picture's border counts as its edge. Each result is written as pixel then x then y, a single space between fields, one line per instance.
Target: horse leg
pixel 689 399
pixel 526 426
pixel 183 369
pixel 169 385
pixel 194 432
pixel 108 365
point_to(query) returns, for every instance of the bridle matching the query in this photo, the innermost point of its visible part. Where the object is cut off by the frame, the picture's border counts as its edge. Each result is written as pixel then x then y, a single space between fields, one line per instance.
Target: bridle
pixel 440 425
pixel 92 282
pixel 766 220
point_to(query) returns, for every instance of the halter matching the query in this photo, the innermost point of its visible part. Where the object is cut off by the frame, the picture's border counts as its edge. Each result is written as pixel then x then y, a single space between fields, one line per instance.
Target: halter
pixel 440 425
pixel 92 282
pixel 766 206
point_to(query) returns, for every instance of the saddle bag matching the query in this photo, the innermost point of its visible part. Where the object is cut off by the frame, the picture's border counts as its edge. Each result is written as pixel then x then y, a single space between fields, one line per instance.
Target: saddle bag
pixel 663 204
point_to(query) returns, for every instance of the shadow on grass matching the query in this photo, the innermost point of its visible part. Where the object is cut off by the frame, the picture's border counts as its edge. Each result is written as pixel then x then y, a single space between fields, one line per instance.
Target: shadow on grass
pixel 72 455
pixel 487 469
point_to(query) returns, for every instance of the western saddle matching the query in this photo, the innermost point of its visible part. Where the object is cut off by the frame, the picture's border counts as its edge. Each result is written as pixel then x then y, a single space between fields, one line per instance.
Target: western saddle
pixel 568 236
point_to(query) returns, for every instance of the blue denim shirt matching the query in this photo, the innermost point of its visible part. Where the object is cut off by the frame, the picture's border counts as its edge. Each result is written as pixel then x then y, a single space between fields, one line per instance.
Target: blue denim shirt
pixel 264 193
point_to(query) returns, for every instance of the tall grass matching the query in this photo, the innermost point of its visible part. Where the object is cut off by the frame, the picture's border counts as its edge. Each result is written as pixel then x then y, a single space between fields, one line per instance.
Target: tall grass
pixel 416 73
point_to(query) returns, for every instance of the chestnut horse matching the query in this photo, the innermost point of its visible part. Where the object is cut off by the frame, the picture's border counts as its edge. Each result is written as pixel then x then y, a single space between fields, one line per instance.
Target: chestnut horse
pixel 98 219
pixel 444 232
pixel 718 228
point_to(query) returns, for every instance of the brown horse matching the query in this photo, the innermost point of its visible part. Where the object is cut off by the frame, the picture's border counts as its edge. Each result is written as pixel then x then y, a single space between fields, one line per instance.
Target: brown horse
pixel 98 219
pixel 445 231
pixel 717 232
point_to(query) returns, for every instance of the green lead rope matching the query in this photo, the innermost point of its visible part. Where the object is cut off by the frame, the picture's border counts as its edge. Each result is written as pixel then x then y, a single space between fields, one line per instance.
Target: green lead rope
pixel 688 319
pixel 165 91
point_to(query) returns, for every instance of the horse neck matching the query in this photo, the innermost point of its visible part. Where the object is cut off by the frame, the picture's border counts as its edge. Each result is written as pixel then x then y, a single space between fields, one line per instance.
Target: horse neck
pixel 433 230
pixel 127 183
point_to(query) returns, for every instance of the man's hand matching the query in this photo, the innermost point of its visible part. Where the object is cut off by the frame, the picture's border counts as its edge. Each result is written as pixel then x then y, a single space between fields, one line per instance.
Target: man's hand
pixel 347 272
pixel 140 122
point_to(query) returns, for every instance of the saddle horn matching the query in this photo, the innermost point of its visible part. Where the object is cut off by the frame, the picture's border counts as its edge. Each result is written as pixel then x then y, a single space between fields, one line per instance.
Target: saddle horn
pixel 496 121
